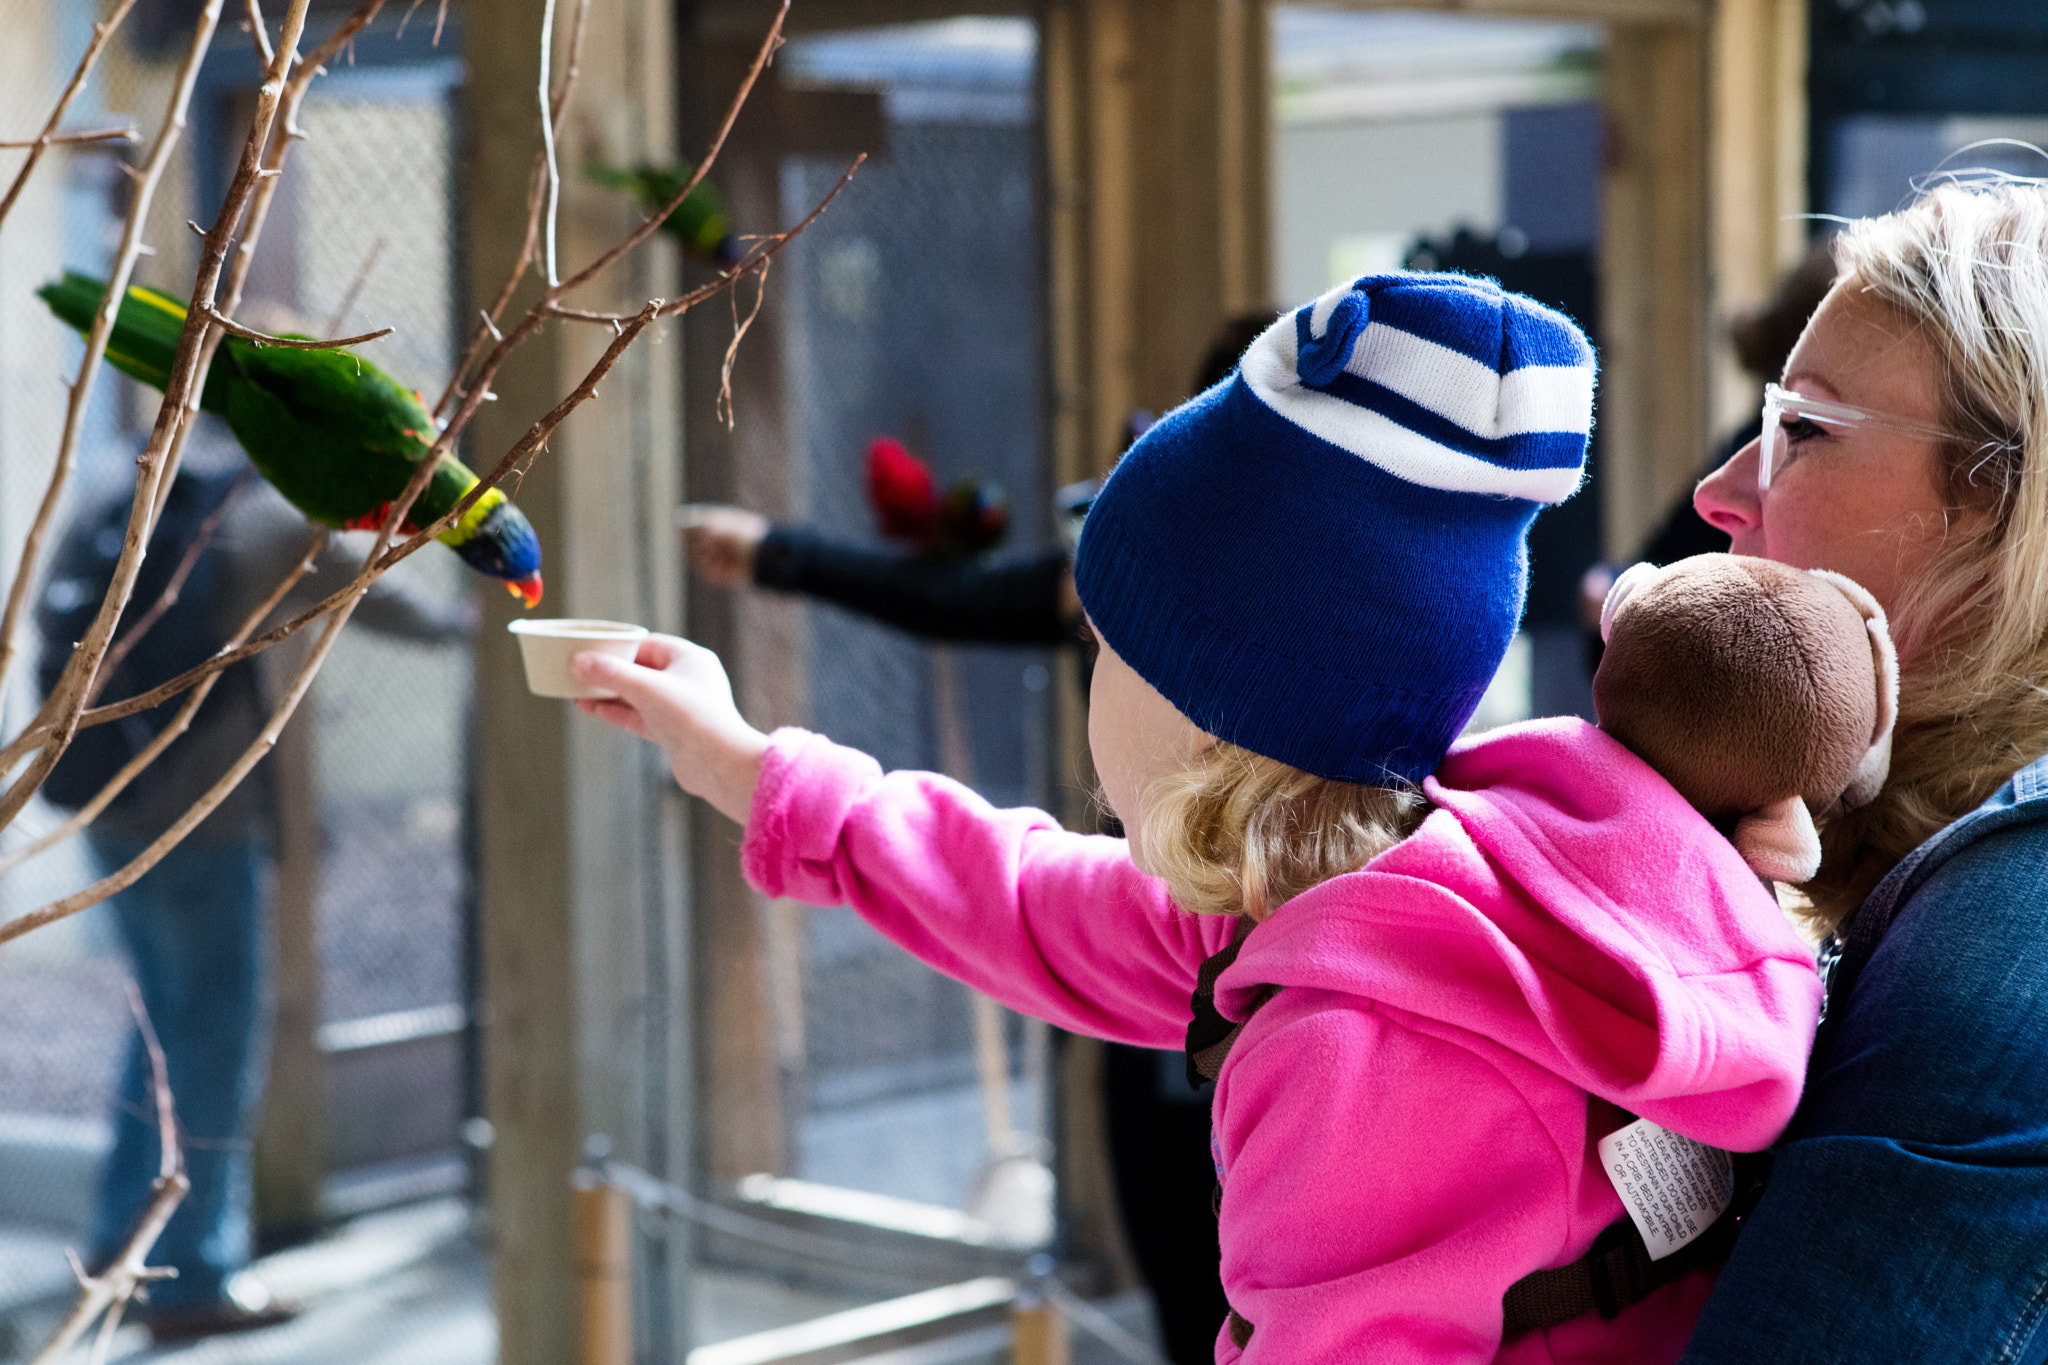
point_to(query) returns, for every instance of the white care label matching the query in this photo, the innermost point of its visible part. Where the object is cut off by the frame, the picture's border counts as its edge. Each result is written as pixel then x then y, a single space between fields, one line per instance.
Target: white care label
pixel 1673 1188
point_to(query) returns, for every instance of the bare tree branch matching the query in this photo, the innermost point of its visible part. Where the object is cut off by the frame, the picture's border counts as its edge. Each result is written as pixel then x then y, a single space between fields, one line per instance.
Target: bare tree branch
pixel 234 328
pixel 258 33
pixel 127 876
pixel 626 328
pixel 109 1291
pixel 536 209
pixel 88 375
pixel 181 396
pixel 180 723
pixel 101 32
pixel 168 598
pixel 659 216
pixel 547 137
pixel 203 331
pixel 72 139
pixel 355 288
pixel 739 331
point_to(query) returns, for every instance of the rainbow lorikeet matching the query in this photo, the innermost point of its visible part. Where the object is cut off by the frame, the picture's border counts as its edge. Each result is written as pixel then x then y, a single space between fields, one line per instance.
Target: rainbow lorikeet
pixel 971 518
pixel 700 223
pixel 336 435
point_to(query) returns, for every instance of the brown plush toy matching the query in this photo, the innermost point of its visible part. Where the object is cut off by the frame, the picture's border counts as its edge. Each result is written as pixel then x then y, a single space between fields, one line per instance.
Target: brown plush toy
pixel 1764 694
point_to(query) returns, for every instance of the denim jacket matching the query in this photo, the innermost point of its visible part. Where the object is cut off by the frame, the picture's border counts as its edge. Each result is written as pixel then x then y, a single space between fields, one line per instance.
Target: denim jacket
pixel 1907 1215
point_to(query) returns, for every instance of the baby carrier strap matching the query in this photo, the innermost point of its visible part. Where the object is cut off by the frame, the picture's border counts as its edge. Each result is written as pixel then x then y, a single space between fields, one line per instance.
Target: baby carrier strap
pixel 1210 1035
pixel 1616 1271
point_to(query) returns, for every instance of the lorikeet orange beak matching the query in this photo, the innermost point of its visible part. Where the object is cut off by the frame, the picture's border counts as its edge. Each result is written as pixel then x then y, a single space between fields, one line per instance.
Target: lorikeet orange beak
pixel 526 590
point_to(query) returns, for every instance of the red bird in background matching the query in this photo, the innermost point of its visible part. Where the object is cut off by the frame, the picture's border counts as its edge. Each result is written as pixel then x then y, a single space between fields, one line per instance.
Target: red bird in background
pixel 970 519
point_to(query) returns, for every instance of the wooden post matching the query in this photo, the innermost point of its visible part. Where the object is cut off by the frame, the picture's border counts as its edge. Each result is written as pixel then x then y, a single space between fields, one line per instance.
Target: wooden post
pixel 1655 320
pixel 1759 170
pixel 291 1142
pixel 743 1125
pixel 1158 131
pixel 604 1271
pixel 581 883
pixel 1039 1333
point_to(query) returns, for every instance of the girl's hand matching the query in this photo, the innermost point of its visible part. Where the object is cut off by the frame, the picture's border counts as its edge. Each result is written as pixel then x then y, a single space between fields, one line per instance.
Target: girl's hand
pixel 677 695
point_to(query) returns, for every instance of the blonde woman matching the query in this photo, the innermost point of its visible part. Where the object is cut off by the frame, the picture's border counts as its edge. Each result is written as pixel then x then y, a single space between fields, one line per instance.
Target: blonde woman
pixel 1907 1215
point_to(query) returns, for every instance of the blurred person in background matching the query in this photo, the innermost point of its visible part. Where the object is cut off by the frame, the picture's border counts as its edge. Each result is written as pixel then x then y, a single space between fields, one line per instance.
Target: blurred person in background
pixel 196 925
pixel 1158 1124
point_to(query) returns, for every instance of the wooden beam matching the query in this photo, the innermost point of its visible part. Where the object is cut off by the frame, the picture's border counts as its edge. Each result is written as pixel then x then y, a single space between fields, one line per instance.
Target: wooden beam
pixel 1758 140
pixel 584 956
pixel 290 1160
pixel 743 1123
pixel 1653 276
pixel 1653 12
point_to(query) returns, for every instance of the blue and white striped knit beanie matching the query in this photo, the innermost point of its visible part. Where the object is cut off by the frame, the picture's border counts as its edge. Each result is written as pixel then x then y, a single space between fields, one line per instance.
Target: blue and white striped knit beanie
pixel 1323 558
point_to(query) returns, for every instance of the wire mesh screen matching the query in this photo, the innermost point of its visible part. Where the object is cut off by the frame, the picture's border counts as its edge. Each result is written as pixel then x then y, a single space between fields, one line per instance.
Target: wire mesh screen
pixel 913 312
pixel 374 238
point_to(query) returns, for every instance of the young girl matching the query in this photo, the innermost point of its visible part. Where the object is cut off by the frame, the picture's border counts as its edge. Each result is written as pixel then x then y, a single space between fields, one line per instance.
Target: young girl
pixel 1302 582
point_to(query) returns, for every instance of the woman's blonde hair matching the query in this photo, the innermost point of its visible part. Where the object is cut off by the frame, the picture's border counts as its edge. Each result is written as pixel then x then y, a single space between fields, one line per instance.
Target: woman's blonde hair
pixel 1238 833
pixel 1966 267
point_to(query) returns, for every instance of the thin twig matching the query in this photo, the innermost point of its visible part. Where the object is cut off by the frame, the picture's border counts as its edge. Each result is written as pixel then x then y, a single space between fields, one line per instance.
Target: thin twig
pixel 186 380
pixel 127 876
pixel 168 598
pixel 101 32
pixel 110 1290
pixel 72 139
pixel 258 32
pixel 659 216
pixel 739 332
pixel 547 134
pixel 559 100
pixel 381 558
pixel 284 131
pixel 355 287
pixel 538 183
pixel 64 701
pixel 180 723
pixel 234 328
pixel 536 205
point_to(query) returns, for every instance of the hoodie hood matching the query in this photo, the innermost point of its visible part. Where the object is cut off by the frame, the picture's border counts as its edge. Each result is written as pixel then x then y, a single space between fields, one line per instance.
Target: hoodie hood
pixel 1566 903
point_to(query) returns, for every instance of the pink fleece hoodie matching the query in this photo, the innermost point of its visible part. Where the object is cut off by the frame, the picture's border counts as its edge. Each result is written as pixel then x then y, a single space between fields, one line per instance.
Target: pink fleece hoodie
pixel 1408 1126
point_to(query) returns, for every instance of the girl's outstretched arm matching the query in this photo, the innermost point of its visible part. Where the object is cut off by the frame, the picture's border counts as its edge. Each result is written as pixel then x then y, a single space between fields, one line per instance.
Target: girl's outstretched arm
pixel 676 694
pixel 1056 924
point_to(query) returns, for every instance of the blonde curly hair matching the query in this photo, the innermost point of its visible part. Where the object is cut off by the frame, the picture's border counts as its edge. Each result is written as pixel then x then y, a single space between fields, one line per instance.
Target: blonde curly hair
pixel 1236 832
pixel 1966 268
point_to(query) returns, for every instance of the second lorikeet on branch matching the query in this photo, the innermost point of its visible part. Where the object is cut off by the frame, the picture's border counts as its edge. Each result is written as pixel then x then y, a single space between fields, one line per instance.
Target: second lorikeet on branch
pixel 970 519
pixel 336 435
pixel 700 223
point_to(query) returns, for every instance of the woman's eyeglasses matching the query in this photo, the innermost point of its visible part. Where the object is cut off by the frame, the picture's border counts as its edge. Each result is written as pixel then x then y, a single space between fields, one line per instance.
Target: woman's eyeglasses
pixel 1786 413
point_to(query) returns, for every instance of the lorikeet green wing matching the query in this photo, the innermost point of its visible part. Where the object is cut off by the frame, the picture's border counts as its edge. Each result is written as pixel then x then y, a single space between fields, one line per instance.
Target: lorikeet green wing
pixel 337 436
pixel 701 223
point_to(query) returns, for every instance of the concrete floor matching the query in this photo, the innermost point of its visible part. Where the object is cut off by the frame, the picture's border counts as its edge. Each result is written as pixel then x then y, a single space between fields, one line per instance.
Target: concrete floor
pixel 412 1287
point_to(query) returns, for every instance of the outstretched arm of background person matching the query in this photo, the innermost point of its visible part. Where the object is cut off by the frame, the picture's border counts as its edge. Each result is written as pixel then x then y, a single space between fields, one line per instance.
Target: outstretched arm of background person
pixel 1018 601
pixel 1059 925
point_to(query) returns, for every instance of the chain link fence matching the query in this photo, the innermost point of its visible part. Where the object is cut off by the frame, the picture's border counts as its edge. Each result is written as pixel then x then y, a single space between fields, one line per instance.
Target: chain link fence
pixel 913 312
pixel 362 235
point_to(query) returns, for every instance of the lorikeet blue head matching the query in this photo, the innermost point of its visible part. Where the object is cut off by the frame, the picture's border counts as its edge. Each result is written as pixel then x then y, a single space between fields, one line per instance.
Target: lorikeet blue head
pixel 503 545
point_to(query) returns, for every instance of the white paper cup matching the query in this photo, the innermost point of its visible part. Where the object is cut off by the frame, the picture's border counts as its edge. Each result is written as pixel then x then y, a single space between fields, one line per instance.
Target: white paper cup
pixel 547 647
